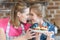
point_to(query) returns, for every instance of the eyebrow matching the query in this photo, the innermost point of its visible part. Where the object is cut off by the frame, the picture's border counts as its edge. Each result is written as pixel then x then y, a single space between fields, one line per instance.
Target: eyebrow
pixel 31 14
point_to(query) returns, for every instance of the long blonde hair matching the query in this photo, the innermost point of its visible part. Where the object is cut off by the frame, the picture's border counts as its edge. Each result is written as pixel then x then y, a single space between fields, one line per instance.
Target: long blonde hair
pixel 19 7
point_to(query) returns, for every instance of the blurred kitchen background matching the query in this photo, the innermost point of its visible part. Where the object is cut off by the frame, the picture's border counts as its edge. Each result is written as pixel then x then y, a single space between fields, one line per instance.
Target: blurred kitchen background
pixel 50 10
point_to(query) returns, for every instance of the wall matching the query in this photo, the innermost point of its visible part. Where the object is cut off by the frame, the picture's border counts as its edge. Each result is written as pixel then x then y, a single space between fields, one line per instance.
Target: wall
pixel 53 12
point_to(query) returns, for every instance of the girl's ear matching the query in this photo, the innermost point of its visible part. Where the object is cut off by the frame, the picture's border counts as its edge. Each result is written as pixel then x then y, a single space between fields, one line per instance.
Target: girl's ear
pixel 18 14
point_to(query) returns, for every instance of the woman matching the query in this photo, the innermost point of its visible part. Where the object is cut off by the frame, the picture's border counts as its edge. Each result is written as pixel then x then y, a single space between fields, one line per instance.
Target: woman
pixel 36 17
pixel 16 27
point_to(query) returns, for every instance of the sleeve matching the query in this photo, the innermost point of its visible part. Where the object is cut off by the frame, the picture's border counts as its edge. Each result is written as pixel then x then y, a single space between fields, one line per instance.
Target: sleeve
pixel 43 37
pixel 56 30
pixel 27 26
pixel 51 27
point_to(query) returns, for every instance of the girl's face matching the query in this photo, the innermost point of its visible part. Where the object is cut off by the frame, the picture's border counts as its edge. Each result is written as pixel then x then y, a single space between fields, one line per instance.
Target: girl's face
pixel 23 16
pixel 33 16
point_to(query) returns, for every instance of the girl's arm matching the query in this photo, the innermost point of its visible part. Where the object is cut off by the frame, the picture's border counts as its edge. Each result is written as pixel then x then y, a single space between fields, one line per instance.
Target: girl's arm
pixel 49 34
pixel 2 34
pixel 49 38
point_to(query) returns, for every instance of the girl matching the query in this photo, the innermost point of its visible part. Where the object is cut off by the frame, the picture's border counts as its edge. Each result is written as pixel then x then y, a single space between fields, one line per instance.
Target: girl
pixel 16 27
pixel 36 17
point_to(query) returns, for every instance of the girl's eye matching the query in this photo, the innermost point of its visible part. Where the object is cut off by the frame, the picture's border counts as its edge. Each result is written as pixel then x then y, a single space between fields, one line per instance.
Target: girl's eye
pixel 31 14
pixel 27 14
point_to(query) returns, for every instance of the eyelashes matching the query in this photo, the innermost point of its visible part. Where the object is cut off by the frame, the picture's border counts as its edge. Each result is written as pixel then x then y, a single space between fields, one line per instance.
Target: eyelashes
pixel 31 14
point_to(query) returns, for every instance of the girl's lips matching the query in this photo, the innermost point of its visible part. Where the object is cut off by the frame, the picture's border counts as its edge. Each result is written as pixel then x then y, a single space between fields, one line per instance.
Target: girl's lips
pixel 32 19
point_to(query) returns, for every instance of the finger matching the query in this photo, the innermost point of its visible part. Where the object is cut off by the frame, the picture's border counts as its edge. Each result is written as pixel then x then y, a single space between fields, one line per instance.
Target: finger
pixel 51 32
pixel 38 33
pixel 33 34
pixel 29 29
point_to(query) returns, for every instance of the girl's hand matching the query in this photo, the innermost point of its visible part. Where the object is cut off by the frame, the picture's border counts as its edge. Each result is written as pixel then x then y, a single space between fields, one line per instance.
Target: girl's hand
pixel 49 34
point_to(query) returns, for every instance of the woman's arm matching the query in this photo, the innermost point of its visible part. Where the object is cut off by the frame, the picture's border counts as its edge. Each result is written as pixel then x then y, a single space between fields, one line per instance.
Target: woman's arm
pixel 20 38
pixel 2 34
pixel 28 35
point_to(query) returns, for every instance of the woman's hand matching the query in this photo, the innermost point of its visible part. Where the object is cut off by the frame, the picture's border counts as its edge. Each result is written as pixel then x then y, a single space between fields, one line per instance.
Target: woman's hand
pixel 29 34
pixel 38 36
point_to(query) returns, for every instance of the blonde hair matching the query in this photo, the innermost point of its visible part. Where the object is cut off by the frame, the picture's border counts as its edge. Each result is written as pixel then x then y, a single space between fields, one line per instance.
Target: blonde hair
pixel 36 9
pixel 19 7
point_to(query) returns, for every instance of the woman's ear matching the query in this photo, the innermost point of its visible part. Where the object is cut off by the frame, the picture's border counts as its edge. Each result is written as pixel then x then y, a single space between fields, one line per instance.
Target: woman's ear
pixel 18 14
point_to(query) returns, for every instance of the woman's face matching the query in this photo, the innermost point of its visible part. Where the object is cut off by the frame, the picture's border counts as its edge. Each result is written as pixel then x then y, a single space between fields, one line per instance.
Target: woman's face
pixel 33 16
pixel 23 16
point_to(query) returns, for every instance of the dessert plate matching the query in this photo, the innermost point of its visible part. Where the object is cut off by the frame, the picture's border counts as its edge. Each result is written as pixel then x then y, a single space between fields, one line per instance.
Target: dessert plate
pixel 40 31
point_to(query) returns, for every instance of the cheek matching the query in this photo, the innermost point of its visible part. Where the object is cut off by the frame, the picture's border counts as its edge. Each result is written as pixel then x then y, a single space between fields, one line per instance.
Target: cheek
pixel 31 17
pixel 20 17
pixel 24 16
